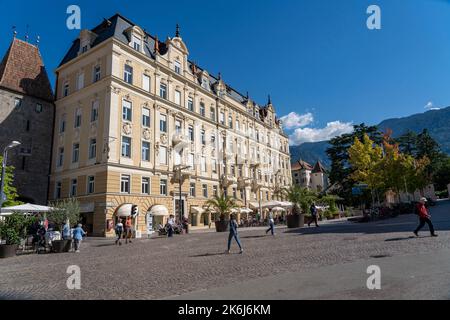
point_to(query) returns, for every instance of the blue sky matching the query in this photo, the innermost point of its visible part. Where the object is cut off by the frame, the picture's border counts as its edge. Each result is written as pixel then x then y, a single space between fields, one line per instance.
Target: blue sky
pixel 316 58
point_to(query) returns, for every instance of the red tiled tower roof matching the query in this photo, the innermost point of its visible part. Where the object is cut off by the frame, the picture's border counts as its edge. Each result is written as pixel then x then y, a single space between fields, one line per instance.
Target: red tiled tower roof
pixel 301 165
pixel 22 70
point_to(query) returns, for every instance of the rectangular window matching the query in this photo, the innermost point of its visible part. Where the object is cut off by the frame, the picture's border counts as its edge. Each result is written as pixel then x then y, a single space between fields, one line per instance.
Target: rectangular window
pixel 178 67
pixel 233 170
pixel 163 91
pixel 192 189
pixel 177 126
pixel 203 137
pixel 242 193
pixel 163 155
pixel 146 82
pixel 230 121
pixel 66 89
pixel 203 164
pixel 60 157
pixel 177 97
pixel 125 183
pixel 234 193
pixel 191 161
pixel 145 185
pixel 73 188
pixel 191 133
pixel 97 73
pixel 75 152
pixel 58 189
pixel 126 110
pixel 191 104
pixel 128 74
pixel 162 123
pixel 202 109
pixel 38 108
pixel 145 151
pixel 215 191
pixel 213 141
pixel 136 43
pixel 94 111
pixel 178 156
pixel 205 190
pixel 80 81
pixel 237 125
pixel 146 117
pixel 222 118
pixel 212 113
pixel 62 124
pixel 126 147
pixel 84 49
pixel 17 102
pixel 214 165
pixel 163 187
pixel 91 184
pixel 77 123
pixel 93 148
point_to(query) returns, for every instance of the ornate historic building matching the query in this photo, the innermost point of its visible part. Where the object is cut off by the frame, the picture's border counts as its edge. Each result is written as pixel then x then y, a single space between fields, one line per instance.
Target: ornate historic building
pixel 307 176
pixel 26 115
pixel 135 117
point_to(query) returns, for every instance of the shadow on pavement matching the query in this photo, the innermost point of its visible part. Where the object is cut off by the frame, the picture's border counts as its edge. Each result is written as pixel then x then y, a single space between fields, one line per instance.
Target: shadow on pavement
pixel 208 255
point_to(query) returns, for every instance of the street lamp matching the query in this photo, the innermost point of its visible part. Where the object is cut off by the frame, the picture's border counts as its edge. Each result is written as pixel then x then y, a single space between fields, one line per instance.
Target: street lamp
pixel 178 169
pixel 5 158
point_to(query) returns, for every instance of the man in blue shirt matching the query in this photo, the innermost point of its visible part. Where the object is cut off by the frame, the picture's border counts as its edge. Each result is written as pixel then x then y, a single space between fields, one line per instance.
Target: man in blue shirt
pixel 78 234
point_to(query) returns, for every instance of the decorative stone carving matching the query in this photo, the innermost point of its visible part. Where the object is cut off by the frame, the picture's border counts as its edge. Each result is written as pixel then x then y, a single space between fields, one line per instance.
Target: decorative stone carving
pixel 146 134
pixel 94 128
pixel 163 138
pixel 126 128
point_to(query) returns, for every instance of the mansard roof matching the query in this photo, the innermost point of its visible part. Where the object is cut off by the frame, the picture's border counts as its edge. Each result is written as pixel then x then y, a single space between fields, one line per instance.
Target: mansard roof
pixel 115 27
pixel 22 70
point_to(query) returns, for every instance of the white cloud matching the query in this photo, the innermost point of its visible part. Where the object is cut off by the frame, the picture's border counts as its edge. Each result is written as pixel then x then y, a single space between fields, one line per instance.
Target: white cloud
pixel 331 130
pixel 430 106
pixel 294 120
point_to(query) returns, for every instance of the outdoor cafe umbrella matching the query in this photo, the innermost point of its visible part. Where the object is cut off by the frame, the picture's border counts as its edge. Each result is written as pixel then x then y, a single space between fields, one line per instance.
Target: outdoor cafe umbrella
pixel 25 208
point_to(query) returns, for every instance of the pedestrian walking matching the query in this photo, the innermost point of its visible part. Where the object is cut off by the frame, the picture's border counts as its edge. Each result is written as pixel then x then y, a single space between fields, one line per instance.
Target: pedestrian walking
pixel 313 211
pixel 234 234
pixel 66 231
pixel 170 225
pixel 424 217
pixel 271 224
pixel 128 229
pixel 119 231
pixel 78 234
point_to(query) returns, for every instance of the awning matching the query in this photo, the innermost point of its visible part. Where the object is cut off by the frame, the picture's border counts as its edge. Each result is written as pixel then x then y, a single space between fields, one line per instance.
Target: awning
pixel 25 208
pixel 278 209
pixel 198 210
pixel 124 210
pixel 285 204
pixel 246 210
pixel 159 210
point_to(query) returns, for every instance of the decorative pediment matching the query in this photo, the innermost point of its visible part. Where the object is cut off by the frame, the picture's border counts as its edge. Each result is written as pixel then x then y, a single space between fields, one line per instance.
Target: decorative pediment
pixel 178 43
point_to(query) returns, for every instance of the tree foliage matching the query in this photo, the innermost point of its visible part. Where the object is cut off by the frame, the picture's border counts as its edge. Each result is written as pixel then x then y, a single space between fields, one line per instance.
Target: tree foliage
pixel 64 210
pixel 9 190
pixel 222 205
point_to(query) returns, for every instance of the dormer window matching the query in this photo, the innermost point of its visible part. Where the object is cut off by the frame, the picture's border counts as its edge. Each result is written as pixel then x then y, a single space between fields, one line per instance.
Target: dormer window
pixel 178 67
pixel 136 42
pixel 205 83
pixel 84 49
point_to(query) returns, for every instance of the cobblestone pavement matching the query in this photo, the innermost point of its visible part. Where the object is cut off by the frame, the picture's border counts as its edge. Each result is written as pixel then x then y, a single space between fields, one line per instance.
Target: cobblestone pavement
pixel 161 267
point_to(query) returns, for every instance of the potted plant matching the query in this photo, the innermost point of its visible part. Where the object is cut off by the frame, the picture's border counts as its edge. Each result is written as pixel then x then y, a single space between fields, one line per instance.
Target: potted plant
pixel 222 205
pixel 12 230
pixel 64 212
pixel 301 199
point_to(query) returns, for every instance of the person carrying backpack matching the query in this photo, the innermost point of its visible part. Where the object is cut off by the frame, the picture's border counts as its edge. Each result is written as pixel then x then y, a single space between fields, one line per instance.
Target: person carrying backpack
pixel 424 217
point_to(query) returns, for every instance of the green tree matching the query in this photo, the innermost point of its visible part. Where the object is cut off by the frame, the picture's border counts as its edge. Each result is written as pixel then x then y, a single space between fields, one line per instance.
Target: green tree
pixel 9 190
pixel 365 158
pixel 441 177
pixel 64 210
pixel 222 205
pixel 341 170
pixel 407 143
pixel 301 198
pixel 429 148
pixel 14 228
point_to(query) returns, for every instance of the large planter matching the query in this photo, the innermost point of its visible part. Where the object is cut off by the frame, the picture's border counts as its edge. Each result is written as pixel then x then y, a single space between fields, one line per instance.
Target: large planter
pixel 295 221
pixel 222 225
pixel 59 246
pixel 7 250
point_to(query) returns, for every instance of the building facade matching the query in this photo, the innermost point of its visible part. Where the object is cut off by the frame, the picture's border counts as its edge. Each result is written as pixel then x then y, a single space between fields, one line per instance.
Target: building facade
pixel 26 115
pixel 306 176
pixel 135 117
